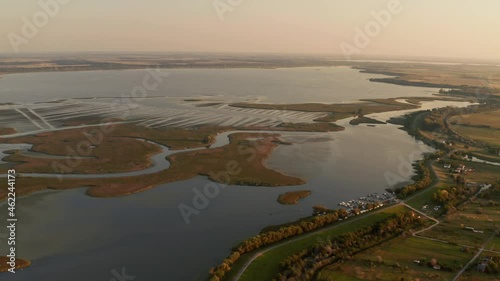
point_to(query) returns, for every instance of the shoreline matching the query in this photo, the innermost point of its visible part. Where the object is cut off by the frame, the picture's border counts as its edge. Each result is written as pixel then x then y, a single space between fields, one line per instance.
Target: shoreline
pixel 402 77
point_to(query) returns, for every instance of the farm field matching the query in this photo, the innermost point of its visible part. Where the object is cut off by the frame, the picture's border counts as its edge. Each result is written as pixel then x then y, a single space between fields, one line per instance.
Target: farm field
pixel 395 260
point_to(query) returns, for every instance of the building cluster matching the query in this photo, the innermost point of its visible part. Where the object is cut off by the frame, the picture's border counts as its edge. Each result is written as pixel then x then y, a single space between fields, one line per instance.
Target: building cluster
pixel 460 169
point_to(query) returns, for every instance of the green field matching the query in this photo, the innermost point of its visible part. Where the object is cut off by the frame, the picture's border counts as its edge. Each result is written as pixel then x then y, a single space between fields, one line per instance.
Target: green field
pixel 422 199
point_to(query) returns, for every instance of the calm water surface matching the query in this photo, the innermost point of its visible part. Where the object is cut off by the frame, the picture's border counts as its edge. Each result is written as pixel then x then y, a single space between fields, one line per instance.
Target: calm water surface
pixel 69 236
pixel 284 85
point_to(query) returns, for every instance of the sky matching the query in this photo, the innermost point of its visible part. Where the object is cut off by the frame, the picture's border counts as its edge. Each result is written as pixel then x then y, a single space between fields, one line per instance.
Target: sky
pixel 419 28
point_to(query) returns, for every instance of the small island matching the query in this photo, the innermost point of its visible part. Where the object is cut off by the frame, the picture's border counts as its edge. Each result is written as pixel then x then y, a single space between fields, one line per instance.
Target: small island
pixel 293 197
pixel 20 263
pixel 365 120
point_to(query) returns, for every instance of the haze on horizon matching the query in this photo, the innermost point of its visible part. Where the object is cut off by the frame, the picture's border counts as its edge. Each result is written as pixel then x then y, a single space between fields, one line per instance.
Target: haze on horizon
pixel 424 28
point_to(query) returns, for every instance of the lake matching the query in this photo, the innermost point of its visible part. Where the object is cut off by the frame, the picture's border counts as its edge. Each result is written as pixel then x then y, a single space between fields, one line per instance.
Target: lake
pixel 69 236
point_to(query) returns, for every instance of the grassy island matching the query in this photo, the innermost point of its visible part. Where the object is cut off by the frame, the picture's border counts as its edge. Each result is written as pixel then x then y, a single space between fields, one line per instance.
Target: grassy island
pixel 20 264
pixel 7 131
pixel 293 197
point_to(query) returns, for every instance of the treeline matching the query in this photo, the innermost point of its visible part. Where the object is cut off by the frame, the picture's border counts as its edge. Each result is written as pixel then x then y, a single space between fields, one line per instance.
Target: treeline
pixel 422 180
pixel 305 264
pixel 449 197
pixel 219 272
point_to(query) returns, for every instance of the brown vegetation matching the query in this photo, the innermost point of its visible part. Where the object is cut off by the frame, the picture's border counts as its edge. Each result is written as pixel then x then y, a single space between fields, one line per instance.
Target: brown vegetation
pixel 293 197
pixel 103 148
pixel 20 263
pixel 7 131
pixel 240 162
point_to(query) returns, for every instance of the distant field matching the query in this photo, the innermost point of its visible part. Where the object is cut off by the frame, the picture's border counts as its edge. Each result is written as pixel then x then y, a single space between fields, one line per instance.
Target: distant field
pixel 439 75
pixel 393 260
pixel 491 119
pixel 486 135
pixel 293 197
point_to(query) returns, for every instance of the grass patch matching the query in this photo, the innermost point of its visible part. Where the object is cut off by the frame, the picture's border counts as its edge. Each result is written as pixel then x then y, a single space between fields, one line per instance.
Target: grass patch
pixel 490 136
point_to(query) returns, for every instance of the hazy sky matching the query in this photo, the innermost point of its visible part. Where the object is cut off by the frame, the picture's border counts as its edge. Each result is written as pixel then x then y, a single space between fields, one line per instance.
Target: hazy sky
pixel 451 28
